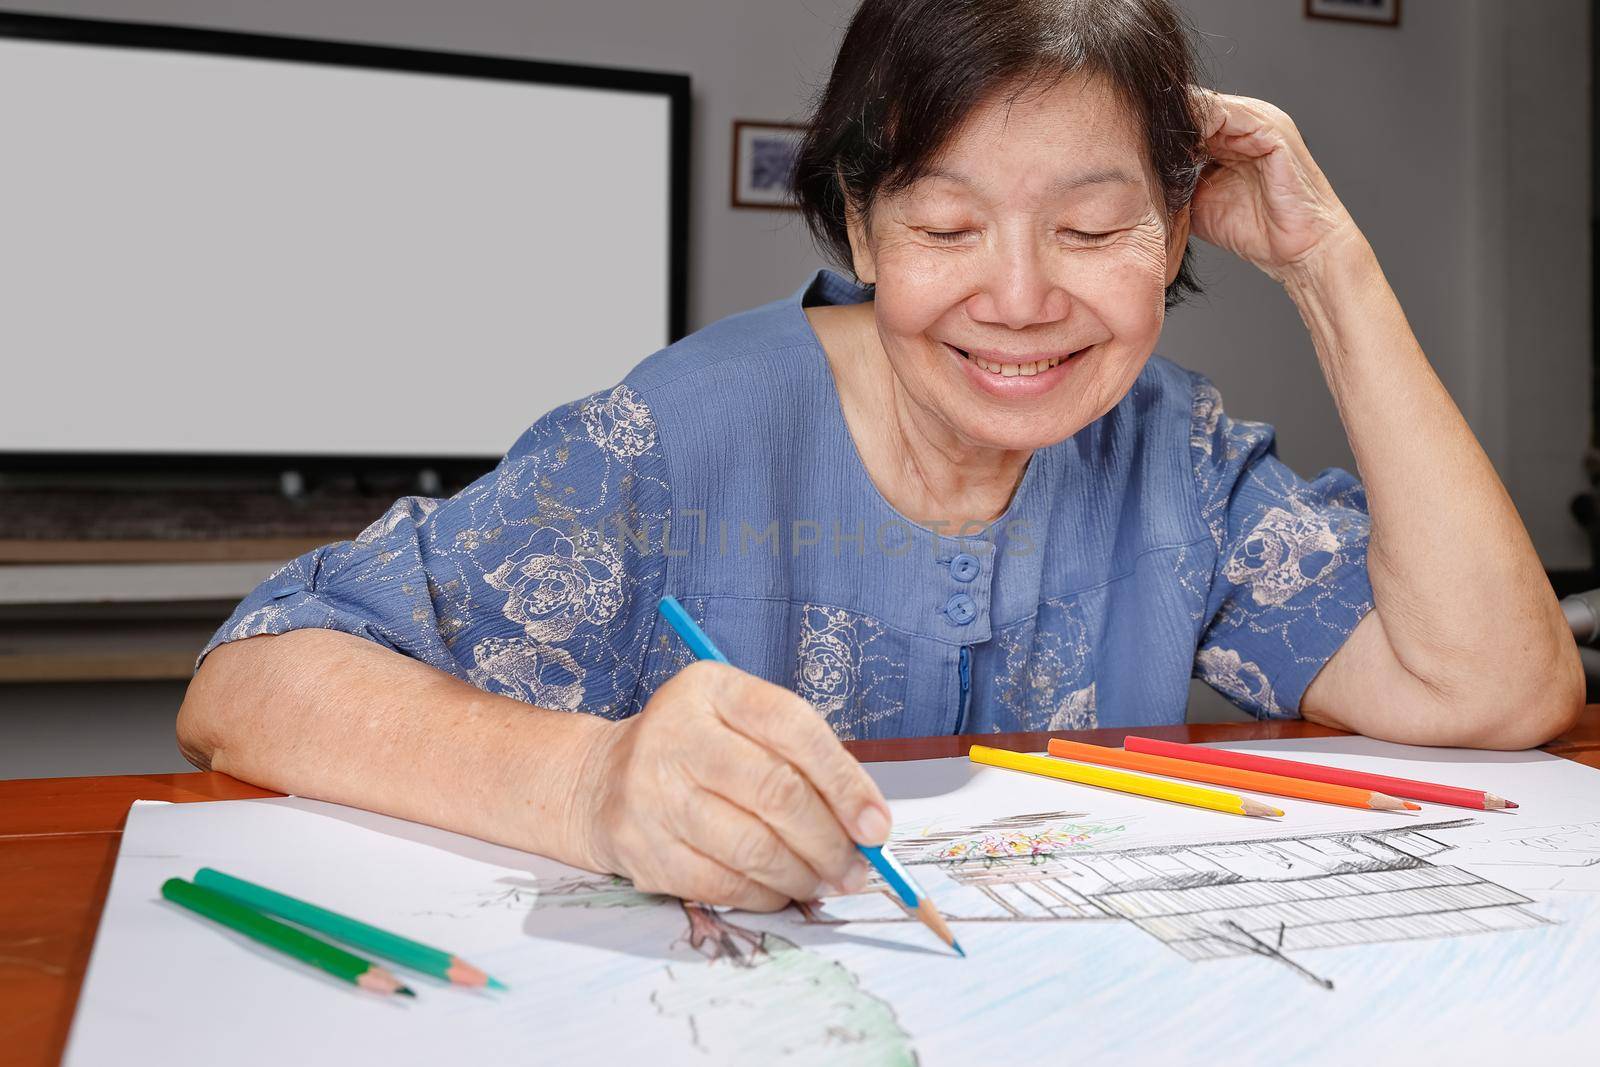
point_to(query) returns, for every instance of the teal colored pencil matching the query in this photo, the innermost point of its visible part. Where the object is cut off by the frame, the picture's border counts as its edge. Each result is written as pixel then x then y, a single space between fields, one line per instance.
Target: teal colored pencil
pixel 291 941
pixel 898 878
pixel 402 950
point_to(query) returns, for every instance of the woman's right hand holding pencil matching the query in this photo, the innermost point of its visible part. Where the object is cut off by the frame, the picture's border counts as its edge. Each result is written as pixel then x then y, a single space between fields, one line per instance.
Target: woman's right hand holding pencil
pixel 728 789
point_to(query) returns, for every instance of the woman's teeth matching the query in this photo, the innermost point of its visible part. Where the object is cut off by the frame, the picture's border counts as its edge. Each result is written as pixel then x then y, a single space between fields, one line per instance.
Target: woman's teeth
pixel 1012 370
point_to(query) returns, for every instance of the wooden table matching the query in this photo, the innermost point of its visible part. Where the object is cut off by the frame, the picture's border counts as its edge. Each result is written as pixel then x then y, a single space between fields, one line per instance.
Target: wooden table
pixel 59 837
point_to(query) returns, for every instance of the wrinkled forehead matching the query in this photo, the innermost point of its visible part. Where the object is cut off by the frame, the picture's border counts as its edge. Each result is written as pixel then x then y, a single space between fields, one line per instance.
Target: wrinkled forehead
pixel 1062 136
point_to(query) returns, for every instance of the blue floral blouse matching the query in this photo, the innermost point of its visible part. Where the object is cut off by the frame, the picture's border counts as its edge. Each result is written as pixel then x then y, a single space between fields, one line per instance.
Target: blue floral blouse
pixel 1162 541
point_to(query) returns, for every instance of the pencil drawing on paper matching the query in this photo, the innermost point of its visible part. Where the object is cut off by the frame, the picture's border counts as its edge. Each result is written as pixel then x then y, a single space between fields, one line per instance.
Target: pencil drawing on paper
pixel 1579 841
pixel 1207 901
pixel 828 1016
pixel 1275 898
pixel 1020 837
pixel 749 974
pixel 1572 845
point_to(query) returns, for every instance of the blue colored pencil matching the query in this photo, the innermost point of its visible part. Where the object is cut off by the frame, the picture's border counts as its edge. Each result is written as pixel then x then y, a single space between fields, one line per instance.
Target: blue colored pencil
pixel 678 617
pixel 897 877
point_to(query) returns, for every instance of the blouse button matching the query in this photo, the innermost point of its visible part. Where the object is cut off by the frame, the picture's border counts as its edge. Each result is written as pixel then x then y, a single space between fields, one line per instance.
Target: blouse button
pixel 960 609
pixel 964 568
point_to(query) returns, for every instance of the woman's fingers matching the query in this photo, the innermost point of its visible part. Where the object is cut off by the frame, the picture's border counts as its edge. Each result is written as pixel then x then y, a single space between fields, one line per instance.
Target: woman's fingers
pixel 778 793
pixel 741 842
pixel 1240 114
pixel 779 720
pixel 1241 149
pixel 1239 127
pixel 1246 139
pixel 679 870
pixel 1213 112
pixel 746 776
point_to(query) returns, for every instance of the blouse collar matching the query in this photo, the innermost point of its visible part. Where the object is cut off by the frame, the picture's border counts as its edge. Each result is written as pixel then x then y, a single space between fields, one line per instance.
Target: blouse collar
pixel 828 286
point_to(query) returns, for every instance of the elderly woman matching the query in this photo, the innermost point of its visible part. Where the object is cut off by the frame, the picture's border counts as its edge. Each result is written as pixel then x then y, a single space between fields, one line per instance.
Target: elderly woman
pixel 957 493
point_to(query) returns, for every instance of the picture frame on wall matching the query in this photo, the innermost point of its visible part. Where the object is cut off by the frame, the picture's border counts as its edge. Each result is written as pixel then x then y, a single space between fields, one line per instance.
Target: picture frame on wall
pixel 764 154
pixel 1373 12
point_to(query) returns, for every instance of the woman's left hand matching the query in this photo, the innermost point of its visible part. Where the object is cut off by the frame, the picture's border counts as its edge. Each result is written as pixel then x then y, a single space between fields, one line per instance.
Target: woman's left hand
pixel 1262 196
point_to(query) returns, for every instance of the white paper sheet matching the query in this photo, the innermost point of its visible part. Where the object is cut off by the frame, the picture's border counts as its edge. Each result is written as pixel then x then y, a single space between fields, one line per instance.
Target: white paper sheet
pixel 1099 928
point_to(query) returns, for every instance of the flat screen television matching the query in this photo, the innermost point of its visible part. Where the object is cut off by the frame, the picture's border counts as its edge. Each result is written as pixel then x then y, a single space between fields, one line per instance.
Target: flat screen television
pixel 219 245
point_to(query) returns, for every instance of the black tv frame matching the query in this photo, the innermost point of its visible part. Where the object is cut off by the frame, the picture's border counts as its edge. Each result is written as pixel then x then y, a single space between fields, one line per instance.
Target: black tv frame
pixel 160 37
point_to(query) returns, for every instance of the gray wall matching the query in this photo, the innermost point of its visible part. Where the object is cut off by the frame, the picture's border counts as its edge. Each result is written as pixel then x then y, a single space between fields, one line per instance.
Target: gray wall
pixel 1459 141
pixel 1417 128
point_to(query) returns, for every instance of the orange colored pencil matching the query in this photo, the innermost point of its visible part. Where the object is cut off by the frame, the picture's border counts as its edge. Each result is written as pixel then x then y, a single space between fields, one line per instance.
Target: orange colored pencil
pixel 1409 788
pixel 1255 781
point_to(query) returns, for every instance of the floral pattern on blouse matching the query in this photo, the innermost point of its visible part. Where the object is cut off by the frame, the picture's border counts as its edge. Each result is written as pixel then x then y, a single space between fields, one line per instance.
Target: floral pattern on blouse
pixel 513 584
pixel 1277 595
pixel 844 670
pixel 1046 677
pixel 1164 540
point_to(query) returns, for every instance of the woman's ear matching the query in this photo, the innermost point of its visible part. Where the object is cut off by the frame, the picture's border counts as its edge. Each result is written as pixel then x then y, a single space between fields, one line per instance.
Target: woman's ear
pixel 1177 242
pixel 860 240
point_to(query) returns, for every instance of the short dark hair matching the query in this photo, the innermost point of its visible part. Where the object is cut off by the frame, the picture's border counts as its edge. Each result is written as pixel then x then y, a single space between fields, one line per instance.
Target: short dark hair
pixel 909 71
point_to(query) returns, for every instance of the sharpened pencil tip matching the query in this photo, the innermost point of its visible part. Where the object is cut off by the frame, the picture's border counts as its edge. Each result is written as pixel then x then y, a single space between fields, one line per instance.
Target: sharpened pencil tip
pixel 405 991
pixel 957 946
pixel 1412 807
pixel 1255 808
pixel 495 983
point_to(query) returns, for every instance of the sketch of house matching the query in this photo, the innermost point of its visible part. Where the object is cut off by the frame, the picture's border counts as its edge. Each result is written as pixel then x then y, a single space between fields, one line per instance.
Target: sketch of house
pixel 1266 897
pixel 1214 900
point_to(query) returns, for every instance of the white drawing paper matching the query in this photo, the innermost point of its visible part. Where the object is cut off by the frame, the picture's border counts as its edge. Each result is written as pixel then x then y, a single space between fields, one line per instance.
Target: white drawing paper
pixel 1100 928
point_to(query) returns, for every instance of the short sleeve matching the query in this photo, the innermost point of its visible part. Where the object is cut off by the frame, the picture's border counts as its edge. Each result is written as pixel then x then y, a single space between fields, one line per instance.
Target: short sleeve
pixel 1290 580
pixel 538 581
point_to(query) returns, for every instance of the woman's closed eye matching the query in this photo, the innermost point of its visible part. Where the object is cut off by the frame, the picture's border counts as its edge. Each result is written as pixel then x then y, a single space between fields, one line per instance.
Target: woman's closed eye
pixel 1089 237
pixel 954 236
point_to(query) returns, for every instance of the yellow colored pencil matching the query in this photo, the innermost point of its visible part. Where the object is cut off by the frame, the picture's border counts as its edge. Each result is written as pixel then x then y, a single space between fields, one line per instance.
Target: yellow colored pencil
pixel 1121 781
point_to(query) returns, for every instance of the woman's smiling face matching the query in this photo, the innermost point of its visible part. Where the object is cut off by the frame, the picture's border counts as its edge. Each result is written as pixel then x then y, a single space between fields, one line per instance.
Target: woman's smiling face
pixel 1021 283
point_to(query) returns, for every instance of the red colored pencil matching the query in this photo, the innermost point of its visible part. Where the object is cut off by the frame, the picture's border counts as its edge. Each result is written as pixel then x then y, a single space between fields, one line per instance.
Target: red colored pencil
pixel 1383 783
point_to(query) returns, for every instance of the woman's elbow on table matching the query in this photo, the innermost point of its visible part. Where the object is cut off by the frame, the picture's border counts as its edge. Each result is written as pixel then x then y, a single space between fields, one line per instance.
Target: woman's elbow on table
pixel 1520 695
pixel 240 682
pixel 1550 704
pixel 198 725
pixel 1512 698
pixel 1513 714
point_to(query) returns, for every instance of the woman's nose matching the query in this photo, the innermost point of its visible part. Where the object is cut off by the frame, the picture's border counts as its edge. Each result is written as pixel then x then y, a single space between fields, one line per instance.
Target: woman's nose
pixel 1019 292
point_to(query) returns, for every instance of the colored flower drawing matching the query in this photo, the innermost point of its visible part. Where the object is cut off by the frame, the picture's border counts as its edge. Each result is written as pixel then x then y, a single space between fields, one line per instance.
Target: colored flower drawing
pixel 1003 844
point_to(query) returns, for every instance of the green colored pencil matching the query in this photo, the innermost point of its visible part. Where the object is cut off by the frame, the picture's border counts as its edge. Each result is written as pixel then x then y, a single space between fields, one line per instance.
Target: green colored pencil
pixel 224 909
pixel 402 950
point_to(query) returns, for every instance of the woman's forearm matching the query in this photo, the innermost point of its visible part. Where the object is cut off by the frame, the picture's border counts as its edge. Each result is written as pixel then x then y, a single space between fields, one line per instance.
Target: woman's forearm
pixel 1461 593
pixel 326 715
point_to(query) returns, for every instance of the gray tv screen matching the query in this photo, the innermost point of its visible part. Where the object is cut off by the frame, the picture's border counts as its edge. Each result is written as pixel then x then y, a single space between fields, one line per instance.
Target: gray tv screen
pixel 222 244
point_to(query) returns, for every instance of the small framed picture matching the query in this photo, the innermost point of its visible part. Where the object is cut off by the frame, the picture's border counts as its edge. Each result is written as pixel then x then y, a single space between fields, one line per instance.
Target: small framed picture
pixel 1377 12
pixel 763 159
